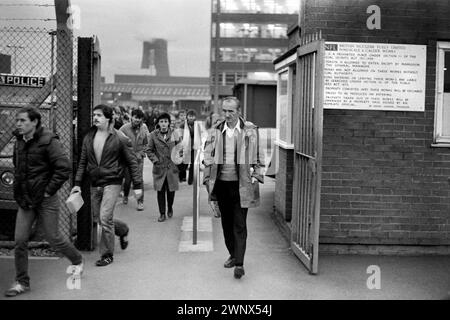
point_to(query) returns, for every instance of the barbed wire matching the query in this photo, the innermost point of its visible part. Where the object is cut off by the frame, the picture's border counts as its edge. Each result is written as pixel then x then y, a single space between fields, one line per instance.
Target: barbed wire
pixel 25 5
pixel 26 19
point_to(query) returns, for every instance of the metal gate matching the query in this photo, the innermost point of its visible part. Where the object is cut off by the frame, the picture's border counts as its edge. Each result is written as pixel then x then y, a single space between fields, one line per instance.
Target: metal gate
pixel 36 69
pixel 308 152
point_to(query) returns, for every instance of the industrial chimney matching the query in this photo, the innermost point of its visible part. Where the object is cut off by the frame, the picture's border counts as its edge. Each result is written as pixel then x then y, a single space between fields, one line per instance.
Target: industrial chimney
pixel 155 54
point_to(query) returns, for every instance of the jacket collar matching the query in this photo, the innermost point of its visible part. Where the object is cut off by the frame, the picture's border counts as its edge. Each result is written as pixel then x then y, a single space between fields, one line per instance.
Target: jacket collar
pixel 111 130
pixel 39 131
pixel 237 127
pixel 160 134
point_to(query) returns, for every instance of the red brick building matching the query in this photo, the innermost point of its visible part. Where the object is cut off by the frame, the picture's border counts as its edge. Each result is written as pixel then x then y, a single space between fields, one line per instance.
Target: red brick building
pixel 385 170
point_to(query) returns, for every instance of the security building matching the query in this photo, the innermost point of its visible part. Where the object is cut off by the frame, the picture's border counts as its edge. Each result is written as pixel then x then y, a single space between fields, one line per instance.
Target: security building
pixel 251 34
pixel 375 76
pixel 258 101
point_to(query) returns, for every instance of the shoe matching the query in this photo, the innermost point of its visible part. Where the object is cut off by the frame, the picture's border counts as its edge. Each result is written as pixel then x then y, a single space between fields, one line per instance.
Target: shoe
pixel 124 241
pixel 170 213
pixel 104 261
pixel 239 272
pixel 140 206
pixel 162 218
pixel 230 263
pixel 16 289
pixel 125 200
pixel 76 269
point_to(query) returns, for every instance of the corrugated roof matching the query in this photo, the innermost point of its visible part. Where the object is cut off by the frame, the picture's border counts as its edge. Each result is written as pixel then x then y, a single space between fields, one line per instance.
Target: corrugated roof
pixel 168 90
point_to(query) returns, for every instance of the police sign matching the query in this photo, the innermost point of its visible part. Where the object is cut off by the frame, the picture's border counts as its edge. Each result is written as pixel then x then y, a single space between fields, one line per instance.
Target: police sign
pixel 22 81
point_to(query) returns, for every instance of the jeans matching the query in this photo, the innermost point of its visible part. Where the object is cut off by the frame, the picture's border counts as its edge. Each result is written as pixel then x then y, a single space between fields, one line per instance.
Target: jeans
pixel 48 213
pixel 103 202
pixel 234 218
pixel 127 182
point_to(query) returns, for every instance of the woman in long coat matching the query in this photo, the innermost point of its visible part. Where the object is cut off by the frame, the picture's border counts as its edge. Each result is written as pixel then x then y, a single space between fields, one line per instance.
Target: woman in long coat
pixel 162 142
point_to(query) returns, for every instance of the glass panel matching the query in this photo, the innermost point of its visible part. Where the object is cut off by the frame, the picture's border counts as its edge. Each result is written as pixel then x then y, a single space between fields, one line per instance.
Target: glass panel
pixel 292 93
pixel 239 54
pixel 447 71
pixel 283 105
pixel 252 30
pixel 446 114
pixel 446 97
pixel 260 6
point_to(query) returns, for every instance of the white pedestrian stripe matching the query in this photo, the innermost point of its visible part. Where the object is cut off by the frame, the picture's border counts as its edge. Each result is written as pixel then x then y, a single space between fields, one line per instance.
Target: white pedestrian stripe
pixel 204 235
pixel 204 224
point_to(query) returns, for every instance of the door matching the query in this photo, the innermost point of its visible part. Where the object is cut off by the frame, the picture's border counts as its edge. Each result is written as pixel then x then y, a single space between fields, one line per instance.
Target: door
pixel 308 115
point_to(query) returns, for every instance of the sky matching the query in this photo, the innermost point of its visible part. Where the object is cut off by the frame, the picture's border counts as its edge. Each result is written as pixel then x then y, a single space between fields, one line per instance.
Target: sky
pixel 121 27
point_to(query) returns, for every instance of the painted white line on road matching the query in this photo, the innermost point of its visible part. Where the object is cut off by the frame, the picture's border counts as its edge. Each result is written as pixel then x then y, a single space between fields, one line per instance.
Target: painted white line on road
pixel 204 235
pixel 201 246
pixel 204 224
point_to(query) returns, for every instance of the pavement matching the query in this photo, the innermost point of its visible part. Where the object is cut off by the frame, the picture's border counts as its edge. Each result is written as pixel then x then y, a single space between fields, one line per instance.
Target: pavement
pixel 161 263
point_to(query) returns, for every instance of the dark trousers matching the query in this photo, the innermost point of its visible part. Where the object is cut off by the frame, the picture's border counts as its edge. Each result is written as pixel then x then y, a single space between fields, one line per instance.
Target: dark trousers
pixel 120 228
pixel 48 213
pixel 162 198
pixel 191 168
pixel 182 171
pixel 234 218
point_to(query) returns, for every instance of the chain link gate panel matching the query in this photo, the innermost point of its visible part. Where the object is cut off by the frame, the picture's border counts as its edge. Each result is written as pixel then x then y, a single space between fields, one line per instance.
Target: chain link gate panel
pixel 34 61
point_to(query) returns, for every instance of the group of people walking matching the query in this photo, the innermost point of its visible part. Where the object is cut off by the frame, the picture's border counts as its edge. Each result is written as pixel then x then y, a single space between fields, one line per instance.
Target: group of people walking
pixel 113 159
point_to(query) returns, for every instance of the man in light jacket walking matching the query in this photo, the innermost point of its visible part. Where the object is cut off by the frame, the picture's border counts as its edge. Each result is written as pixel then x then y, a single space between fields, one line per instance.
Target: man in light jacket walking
pixel 138 133
pixel 231 175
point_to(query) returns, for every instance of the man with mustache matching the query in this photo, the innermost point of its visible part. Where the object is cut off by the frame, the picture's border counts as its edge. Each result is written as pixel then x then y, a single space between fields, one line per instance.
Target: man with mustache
pixel 105 154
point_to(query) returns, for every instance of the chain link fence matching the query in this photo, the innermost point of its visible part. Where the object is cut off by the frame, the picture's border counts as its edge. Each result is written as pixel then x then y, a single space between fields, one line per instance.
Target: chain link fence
pixel 36 68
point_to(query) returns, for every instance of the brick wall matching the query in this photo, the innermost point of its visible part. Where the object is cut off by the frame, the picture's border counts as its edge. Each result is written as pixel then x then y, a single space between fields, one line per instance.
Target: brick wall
pixel 382 181
pixel 283 184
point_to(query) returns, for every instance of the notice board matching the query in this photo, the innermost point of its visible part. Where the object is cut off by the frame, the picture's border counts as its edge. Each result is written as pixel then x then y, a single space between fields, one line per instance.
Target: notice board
pixel 374 76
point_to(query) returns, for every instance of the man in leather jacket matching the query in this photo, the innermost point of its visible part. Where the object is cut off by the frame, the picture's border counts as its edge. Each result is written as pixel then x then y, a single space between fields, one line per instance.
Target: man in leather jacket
pixel 104 155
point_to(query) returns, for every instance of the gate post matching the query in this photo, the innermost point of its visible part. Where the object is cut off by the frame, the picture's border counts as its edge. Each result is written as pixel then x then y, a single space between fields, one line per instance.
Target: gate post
pixel 88 96
pixel 64 100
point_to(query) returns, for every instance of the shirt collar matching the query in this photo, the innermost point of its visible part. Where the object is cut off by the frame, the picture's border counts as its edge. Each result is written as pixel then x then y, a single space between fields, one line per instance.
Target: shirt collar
pixel 238 127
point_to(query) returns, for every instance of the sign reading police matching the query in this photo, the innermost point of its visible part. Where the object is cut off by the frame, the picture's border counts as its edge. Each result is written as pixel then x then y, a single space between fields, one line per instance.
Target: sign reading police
pixel 21 81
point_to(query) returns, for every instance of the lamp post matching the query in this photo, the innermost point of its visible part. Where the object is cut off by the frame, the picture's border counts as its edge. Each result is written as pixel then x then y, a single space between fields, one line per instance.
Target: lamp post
pixel 216 59
pixel 15 54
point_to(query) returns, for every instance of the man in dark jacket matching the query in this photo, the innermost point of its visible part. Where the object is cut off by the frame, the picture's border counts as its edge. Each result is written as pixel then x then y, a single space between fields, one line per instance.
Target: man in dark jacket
pixel 41 168
pixel 104 155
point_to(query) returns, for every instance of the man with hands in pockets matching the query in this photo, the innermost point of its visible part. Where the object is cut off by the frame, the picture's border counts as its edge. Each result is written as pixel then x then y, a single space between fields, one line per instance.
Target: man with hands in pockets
pixel 232 172
pixel 105 154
